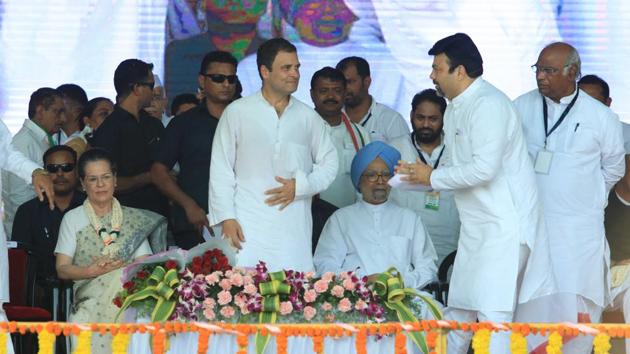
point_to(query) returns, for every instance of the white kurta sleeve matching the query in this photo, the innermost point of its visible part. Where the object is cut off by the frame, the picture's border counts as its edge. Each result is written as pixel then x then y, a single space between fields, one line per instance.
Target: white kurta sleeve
pixel 331 249
pixel 612 152
pixel 13 160
pixel 488 136
pixel 222 182
pixel 422 270
pixel 325 164
pixel 67 241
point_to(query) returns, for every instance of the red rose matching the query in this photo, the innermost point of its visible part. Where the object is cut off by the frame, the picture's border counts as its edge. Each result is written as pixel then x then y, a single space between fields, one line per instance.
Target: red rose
pixel 118 302
pixel 128 285
pixel 197 261
pixel 170 264
pixel 141 275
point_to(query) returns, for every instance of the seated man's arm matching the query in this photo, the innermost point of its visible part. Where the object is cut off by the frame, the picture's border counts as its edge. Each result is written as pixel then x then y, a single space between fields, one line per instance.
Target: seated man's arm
pixel 331 249
pixel 422 270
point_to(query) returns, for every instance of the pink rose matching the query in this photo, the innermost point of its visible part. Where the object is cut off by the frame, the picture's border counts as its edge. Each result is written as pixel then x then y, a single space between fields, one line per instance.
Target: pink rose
pixel 328 276
pixel 326 306
pixel 348 284
pixel 209 303
pixel 344 305
pixel 310 295
pixel 309 275
pixel 250 289
pixel 225 284
pixel 236 279
pixel 227 311
pixel 224 297
pixel 240 300
pixel 286 307
pixel 228 273
pixel 209 314
pixel 248 280
pixel 360 305
pixel 309 313
pixel 244 310
pixel 212 279
pixel 321 286
pixel 337 291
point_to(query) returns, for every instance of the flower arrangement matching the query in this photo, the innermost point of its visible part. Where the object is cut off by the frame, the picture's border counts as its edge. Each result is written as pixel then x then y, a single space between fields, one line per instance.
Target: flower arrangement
pixel 208 289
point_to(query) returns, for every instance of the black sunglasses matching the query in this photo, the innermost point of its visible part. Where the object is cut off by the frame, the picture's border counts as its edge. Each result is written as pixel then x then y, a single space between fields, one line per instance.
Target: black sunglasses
pixel 219 78
pixel 150 85
pixel 54 168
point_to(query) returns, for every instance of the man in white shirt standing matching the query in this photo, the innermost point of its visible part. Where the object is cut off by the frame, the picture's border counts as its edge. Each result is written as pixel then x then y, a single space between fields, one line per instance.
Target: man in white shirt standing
pixel 426 142
pixel 502 255
pixel 577 147
pixel 382 122
pixel 46 115
pixel 328 89
pixel 270 155
pixel 374 234
pixel 15 162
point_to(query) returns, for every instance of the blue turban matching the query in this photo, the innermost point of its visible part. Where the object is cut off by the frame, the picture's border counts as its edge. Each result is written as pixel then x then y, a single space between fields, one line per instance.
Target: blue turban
pixel 369 153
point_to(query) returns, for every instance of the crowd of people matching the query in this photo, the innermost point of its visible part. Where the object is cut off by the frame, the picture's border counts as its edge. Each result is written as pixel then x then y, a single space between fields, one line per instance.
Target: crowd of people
pixel 532 196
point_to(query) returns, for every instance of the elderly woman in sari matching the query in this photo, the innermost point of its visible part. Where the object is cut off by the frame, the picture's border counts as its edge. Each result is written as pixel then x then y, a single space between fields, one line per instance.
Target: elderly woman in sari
pixel 97 239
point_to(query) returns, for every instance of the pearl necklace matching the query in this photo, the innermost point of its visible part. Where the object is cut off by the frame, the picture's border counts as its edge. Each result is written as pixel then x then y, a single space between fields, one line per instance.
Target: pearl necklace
pixel 108 238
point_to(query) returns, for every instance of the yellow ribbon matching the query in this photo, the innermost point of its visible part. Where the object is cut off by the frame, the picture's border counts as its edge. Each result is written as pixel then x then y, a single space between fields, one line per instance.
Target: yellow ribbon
pixel 270 291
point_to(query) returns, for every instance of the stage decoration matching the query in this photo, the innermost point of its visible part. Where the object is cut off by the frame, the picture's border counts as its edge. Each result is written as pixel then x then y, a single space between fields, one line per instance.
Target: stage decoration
pixel 481 341
pixel 200 285
pixel 435 330
pixel 554 346
pixel 518 343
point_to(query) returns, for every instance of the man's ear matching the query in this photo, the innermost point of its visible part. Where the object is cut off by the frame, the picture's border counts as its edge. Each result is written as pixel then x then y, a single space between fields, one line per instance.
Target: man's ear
pixel 367 81
pixel 264 72
pixel 608 101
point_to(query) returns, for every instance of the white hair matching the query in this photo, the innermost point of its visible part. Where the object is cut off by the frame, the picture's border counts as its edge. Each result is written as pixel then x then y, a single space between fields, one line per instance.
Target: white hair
pixel 573 59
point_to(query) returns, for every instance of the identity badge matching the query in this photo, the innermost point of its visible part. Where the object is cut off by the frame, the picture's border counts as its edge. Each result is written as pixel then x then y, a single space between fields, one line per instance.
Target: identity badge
pixel 542 164
pixel 432 200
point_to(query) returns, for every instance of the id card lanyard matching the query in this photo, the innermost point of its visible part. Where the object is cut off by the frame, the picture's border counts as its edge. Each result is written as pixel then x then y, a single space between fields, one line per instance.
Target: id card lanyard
pixel 432 198
pixel 542 164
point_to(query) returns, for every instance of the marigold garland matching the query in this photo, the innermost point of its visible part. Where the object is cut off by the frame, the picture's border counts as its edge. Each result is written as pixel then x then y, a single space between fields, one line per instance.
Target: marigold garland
pixel 361 342
pixel 400 343
pixel 554 345
pixel 518 343
pixel 242 341
pixel 282 343
pixel 601 343
pixel 3 342
pixel 46 341
pixel 202 342
pixel 84 343
pixel 481 341
pixel 318 344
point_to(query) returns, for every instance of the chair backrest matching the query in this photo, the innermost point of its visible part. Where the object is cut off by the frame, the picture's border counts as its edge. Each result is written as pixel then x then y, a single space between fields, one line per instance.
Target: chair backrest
pixel 446 264
pixel 21 277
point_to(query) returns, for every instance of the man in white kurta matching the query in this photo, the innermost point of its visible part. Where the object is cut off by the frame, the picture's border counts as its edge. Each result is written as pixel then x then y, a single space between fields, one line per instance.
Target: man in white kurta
pixel 426 142
pixel 502 254
pixel 15 162
pixel 328 89
pixel 271 153
pixel 578 156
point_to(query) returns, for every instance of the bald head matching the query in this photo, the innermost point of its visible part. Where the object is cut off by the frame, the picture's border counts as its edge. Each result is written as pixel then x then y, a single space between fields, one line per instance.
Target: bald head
pixel 558 68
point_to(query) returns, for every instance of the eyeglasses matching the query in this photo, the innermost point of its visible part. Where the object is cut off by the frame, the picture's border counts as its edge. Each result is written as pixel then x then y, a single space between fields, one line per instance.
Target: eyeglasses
pixel 106 178
pixel 373 176
pixel 219 78
pixel 547 70
pixel 54 168
pixel 150 85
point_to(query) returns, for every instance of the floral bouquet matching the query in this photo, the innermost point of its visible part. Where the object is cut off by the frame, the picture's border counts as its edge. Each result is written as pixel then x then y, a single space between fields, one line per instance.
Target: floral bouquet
pixel 208 289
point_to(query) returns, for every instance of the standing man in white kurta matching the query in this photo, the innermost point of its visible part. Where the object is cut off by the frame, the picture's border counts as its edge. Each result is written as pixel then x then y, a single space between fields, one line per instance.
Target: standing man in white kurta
pixel 576 144
pixel 15 162
pixel 502 256
pixel 271 153
pixel 426 142
pixel 328 89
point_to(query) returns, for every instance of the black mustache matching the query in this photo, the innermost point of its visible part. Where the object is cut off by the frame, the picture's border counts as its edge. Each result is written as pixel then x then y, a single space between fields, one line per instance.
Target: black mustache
pixel 331 101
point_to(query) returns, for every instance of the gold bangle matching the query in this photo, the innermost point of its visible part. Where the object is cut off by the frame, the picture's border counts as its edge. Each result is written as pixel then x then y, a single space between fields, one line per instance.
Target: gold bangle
pixel 39 172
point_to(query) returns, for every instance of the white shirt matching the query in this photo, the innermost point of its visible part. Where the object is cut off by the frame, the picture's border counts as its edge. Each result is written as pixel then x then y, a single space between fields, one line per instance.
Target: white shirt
pixel 497 200
pixel 383 123
pixel 32 141
pixel 372 238
pixel 61 137
pixel 626 137
pixel 15 162
pixel 588 159
pixel 442 224
pixel 341 192
pixel 251 146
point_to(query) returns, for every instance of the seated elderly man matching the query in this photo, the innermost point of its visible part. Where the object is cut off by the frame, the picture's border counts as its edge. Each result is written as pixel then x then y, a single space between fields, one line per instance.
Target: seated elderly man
pixel 375 234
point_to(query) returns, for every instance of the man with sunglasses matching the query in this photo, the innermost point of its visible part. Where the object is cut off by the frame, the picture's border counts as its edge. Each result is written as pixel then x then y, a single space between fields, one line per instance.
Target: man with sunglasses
pixel 131 135
pixel 36 226
pixel 188 141
pixel 576 145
